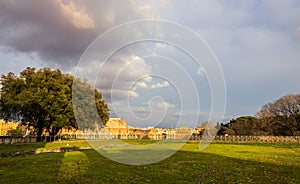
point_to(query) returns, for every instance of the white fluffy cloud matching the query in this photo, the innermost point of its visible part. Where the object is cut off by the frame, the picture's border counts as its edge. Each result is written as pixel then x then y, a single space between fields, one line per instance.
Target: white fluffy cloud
pixel 200 71
pixel 160 85
pixel 158 102
pixel 164 105
pixel 141 84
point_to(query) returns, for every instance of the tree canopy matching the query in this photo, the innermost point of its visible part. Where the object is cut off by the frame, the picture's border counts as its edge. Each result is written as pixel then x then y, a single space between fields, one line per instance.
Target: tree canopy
pixel 43 99
pixel 282 115
pixel 244 125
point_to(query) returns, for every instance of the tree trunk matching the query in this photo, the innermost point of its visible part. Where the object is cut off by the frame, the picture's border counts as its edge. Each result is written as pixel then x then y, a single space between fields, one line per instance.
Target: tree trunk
pixel 39 135
pixel 53 132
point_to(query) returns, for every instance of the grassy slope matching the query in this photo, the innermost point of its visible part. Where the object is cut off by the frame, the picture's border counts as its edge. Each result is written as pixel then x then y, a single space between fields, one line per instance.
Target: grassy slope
pixel 219 163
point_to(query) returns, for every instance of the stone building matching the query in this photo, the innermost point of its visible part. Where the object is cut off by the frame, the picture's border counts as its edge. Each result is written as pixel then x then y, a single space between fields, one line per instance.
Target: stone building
pixel 6 126
pixel 183 133
pixel 117 127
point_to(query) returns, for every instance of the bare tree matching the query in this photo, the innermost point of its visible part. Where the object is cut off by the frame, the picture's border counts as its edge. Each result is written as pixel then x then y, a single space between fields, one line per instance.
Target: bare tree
pixel 282 115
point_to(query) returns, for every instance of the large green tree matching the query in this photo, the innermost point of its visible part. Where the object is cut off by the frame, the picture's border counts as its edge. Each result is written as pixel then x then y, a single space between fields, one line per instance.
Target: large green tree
pixel 43 99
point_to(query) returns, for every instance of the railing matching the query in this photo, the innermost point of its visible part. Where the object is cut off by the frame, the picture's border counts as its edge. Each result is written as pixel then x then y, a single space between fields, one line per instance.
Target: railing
pixel 218 138
pixel 33 139
pixel 17 139
pixel 248 138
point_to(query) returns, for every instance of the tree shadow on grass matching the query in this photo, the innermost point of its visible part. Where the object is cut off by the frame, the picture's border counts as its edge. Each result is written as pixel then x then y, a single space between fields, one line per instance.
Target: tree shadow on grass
pixel 39 168
pixel 189 167
pixel 88 166
pixel 20 163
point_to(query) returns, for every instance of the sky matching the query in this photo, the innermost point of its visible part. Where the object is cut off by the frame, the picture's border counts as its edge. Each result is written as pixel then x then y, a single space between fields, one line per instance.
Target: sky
pixel 243 54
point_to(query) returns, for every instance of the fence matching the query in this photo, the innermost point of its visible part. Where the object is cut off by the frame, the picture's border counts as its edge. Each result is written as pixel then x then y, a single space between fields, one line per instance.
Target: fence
pixel 218 138
pixel 241 138
pixel 17 139
pixel 33 139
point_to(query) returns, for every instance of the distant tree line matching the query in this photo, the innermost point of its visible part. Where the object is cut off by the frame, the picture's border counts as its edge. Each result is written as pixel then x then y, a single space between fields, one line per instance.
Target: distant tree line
pixel 42 99
pixel 278 118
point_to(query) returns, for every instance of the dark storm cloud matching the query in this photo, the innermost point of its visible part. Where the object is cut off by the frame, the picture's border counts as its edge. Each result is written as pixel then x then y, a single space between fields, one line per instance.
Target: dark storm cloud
pixel 59 31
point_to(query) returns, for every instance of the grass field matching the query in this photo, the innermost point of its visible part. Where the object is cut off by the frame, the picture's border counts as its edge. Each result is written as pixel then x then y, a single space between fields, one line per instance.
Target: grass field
pixel 218 163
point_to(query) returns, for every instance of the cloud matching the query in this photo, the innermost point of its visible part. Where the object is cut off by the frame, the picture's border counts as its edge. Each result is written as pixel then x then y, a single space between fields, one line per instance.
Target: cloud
pixel 150 113
pixel 138 85
pixel 141 109
pixel 156 102
pixel 143 84
pixel 200 71
pixel 118 77
pixel 78 17
pixel 160 45
pixel 256 42
pixel 58 31
pixel 133 94
pixel 164 105
pixel 52 30
pixel 160 85
pixel 147 78
pixel 298 33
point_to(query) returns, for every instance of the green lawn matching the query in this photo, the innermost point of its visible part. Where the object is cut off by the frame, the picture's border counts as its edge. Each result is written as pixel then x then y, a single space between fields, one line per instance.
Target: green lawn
pixel 218 163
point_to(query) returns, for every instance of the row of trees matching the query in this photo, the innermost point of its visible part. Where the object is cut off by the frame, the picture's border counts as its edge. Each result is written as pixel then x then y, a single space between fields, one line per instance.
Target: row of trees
pixel 42 99
pixel 281 117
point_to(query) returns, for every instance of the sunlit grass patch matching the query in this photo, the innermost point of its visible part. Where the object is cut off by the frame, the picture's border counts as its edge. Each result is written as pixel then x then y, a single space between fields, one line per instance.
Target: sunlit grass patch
pixel 218 163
